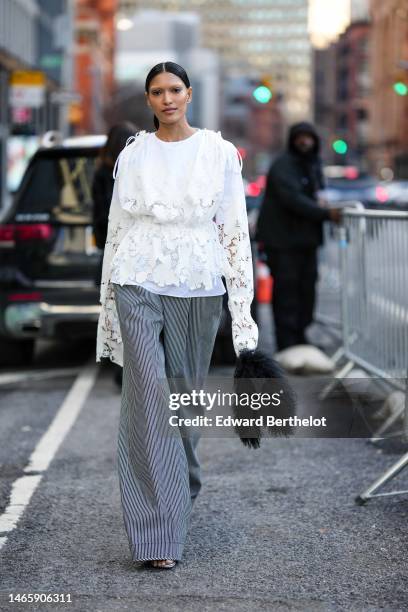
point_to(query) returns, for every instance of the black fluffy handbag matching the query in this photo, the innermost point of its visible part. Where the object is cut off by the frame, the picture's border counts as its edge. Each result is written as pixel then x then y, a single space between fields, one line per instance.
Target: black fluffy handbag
pixel 257 373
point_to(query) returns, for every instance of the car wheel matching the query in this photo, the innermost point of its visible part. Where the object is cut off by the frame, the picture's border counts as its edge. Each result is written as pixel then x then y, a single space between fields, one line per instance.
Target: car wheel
pixel 16 352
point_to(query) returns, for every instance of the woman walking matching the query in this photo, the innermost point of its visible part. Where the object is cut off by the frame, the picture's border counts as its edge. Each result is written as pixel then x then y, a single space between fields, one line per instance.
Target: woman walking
pixel 177 224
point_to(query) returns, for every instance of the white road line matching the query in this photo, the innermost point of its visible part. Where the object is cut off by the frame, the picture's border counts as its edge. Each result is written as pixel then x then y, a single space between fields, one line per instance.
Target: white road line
pixel 12 377
pixel 24 487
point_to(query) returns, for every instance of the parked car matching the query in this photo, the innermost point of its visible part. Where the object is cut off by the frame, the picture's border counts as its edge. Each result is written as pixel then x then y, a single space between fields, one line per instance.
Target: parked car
pixel 343 190
pixel 390 195
pixel 48 258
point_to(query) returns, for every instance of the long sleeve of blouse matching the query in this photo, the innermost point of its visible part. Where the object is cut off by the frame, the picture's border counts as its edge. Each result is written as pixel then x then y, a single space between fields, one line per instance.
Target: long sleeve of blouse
pixel 232 222
pixel 109 340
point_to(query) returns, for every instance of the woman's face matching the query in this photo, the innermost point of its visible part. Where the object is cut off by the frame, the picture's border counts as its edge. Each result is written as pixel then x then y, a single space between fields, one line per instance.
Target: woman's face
pixel 168 97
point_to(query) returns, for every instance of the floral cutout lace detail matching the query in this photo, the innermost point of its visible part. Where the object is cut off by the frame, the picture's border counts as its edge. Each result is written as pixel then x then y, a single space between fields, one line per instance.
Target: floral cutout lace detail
pixel 193 238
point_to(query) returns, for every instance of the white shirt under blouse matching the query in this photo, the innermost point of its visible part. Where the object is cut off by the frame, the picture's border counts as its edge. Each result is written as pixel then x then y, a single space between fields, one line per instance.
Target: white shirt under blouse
pixel 177 224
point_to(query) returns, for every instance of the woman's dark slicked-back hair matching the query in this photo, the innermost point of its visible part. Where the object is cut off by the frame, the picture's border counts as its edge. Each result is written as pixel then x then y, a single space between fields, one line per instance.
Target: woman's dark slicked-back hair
pixel 166 67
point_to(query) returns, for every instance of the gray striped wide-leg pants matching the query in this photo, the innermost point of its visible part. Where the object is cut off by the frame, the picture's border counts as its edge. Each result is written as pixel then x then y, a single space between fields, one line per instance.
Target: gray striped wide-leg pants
pixel 164 338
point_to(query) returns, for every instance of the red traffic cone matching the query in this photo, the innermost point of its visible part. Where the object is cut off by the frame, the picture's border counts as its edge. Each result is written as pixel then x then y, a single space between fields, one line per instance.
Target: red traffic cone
pixel 264 283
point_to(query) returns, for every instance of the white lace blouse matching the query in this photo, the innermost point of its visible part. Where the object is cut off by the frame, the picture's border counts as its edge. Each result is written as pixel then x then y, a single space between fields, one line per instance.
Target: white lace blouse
pixel 183 233
pixel 175 160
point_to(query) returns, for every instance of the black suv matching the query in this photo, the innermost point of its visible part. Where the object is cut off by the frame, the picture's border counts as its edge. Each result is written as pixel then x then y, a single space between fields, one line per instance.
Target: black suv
pixel 48 257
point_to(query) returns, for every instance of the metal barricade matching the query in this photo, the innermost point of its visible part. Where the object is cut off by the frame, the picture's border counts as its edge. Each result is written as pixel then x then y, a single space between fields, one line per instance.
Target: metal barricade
pixel 328 298
pixel 373 256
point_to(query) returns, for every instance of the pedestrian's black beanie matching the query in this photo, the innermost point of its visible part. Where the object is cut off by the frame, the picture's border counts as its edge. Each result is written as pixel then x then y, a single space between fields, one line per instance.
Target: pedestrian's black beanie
pixel 303 127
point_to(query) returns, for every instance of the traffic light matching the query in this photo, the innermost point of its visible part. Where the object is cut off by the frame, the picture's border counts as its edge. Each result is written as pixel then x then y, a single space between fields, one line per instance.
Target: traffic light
pixel 340 146
pixel 262 94
pixel 400 88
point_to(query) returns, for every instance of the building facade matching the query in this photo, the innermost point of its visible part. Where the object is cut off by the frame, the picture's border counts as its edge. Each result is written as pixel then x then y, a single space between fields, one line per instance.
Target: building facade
pixel 343 95
pixel 95 39
pixel 389 124
pixel 254 38
pixel 359 10
pixel 354 91
pixel 156 36
pixel 324 91
pixel 28 44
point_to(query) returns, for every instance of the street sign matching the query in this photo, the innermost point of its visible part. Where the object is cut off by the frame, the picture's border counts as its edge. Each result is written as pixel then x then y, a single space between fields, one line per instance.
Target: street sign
pixel 33 97
pixel 27 78
pixel 51 60
pixel 27 88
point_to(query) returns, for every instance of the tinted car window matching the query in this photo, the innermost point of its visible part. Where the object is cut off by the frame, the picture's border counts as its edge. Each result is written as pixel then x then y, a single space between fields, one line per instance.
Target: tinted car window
pixel 57 185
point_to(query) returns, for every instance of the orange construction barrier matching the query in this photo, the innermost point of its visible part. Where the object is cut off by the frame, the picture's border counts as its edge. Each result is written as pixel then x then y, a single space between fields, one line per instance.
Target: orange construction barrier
pixel 264 283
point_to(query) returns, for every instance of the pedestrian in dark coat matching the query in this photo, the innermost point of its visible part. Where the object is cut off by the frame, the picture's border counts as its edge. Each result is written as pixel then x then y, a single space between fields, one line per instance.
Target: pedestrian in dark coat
pixel 290 230
pixel 102 184
pixel 102 190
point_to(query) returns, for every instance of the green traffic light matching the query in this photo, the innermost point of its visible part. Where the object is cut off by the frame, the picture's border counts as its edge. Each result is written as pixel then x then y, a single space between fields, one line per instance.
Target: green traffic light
pixel 401 88
pixel 262 94
pixel 340 147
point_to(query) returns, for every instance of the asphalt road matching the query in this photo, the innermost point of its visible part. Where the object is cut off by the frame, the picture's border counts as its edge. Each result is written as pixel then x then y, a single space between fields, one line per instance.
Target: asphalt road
pixel 273 529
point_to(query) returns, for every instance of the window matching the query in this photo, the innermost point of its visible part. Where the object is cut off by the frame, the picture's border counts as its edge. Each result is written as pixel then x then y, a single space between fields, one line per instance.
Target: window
pixel 59 186
pixel 362 114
